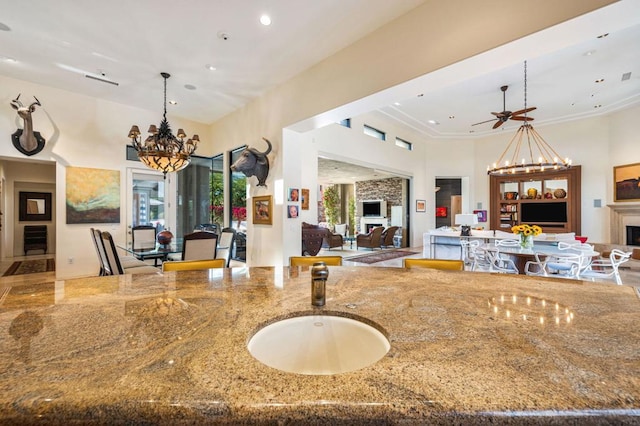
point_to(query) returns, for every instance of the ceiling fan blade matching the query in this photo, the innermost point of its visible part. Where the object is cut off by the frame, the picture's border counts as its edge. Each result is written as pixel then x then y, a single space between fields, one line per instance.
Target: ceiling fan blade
pixel 482 122
pixel 519 118
pixel 498 124
pixel 522 111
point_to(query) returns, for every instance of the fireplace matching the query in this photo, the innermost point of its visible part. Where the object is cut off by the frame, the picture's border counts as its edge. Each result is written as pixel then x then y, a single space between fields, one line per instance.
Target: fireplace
pixel 623 215
pixel 633 235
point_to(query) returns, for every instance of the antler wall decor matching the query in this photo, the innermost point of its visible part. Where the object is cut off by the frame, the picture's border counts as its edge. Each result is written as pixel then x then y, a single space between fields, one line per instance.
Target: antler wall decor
pixel 26 140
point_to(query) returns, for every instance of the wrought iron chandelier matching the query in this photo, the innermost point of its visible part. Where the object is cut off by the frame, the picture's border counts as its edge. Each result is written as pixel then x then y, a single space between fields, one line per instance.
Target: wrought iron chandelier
pixel 162 150
pixel 538 155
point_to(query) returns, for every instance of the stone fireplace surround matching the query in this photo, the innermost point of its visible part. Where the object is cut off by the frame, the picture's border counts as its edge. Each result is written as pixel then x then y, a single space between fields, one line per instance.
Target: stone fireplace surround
pixel 623 215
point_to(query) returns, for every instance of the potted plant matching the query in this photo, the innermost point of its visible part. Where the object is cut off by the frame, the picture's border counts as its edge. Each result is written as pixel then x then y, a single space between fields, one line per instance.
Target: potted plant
pixel 331 202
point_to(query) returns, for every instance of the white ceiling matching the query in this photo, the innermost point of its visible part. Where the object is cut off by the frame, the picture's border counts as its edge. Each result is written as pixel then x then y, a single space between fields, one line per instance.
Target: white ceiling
pixel 131 42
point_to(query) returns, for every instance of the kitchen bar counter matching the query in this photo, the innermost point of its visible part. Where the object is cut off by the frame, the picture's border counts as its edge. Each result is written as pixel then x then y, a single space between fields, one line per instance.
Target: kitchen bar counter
pixel 467 348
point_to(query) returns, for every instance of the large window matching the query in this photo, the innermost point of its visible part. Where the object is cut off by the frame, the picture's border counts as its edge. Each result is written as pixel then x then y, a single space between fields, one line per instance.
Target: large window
pixel 238 194
pixel 193 195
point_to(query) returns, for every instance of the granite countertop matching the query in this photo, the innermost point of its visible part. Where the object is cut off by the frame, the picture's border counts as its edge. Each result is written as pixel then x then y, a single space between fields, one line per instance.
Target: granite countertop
pixel 465 347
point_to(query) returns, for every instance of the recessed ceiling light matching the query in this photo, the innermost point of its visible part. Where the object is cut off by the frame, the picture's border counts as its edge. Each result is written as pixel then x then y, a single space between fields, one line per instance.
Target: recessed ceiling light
pixel 420 95
pixel 172 102
pixel 210 67
pixel 597 106
pixel 190 87
pixel 265 20
pixel 600 80
pixel 4 27
pixel 451 117
pixel 433 122
pixel 396 103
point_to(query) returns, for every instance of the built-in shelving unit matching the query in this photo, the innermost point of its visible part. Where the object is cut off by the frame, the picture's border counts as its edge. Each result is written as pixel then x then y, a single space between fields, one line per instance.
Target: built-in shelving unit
pixel 550 199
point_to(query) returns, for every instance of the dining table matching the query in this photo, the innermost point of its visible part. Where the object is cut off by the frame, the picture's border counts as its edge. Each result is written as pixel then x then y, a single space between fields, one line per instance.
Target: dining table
pixel 521 256
pixel 159 252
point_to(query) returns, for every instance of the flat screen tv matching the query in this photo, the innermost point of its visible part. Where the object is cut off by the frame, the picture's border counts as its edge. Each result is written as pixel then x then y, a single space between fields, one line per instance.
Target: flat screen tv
pixel 374 208
pixel 549 212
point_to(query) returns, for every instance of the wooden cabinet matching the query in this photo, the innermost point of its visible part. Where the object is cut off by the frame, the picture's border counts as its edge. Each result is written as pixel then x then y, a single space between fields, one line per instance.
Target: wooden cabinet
pixel 35 238
pixel 548 199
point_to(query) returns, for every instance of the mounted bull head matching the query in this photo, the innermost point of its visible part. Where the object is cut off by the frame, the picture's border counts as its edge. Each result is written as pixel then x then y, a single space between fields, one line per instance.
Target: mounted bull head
pixel 254 163
pixel 26 140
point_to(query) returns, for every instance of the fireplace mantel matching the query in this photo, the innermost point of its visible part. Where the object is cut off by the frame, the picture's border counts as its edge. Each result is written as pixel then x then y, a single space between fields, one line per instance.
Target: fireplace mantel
pixel 623 215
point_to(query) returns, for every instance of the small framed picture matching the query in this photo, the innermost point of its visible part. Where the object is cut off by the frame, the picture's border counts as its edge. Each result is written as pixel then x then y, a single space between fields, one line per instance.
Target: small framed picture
pixel 292 211
pixel 262 210
pixel 304 201
pixel 293 194
pixel 421 206
pixel 482 215
pixel 626 181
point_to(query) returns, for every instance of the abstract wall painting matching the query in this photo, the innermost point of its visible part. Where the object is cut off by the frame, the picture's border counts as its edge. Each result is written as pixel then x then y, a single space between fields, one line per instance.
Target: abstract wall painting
pixel 92 195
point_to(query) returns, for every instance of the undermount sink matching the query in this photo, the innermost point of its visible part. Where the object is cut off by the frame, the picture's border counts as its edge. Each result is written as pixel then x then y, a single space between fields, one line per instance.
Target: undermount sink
pixel 318 344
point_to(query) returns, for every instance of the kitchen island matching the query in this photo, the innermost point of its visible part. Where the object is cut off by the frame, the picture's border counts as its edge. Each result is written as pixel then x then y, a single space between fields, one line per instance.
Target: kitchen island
pixel 466 348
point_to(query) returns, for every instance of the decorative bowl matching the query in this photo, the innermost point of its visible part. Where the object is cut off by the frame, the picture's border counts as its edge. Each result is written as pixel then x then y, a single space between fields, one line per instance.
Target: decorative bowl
pixel 560 193
pixel 511 195
pixel 164 237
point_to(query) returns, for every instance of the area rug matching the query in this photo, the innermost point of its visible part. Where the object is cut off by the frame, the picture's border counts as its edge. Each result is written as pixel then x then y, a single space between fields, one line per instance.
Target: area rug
pixel 31 267
pixel 380 256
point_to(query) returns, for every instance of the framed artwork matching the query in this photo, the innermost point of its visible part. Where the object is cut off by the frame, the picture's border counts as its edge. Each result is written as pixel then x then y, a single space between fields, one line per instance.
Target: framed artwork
pixel 304 200
pixel 292 211
pixel 92 195
pixel 293 194
pixel 482 215
pixel 35 206
pixel 441 212
pixel 421 206
pixel 626 181
pixel 262 210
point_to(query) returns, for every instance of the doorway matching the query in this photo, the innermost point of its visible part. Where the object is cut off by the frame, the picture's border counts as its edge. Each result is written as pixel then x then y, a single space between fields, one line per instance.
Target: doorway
pixel 147 196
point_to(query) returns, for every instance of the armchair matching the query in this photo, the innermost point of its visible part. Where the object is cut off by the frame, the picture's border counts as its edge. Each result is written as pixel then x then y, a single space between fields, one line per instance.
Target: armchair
pixel 312 238
pixel 370 240
pixel 386 238
pixel 332 240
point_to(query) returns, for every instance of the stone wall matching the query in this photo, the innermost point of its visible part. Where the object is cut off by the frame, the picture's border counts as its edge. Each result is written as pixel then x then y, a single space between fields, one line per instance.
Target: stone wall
pixel 389 190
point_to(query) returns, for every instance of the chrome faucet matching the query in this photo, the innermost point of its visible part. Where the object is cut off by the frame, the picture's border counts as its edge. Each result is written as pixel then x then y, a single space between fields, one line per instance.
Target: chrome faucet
pixel 319 275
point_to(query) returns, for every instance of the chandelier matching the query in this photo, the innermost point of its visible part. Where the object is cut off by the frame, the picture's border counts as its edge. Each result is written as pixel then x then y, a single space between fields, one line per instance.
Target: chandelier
pixel 538 155
pixel 162 150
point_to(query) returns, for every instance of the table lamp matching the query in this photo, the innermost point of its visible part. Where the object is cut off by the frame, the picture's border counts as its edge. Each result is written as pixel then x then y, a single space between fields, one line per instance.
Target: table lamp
pixel 465 221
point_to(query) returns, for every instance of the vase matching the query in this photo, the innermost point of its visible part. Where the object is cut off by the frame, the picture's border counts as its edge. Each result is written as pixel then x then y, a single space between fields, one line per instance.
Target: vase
pixel 526 242
pixel 164 237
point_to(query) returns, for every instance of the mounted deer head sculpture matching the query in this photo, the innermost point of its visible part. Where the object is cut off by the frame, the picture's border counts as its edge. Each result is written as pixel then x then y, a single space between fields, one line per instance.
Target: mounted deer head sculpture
pixel 26 140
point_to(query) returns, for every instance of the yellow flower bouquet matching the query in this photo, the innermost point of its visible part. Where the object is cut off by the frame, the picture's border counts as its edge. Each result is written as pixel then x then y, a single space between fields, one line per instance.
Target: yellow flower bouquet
pixel 526 233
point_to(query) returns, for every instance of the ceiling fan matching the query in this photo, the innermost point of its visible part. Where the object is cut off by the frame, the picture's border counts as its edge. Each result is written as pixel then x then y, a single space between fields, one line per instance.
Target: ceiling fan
pixel 502 117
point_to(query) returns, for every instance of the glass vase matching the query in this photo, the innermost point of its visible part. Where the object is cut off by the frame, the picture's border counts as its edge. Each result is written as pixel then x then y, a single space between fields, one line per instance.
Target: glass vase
pixel 526 242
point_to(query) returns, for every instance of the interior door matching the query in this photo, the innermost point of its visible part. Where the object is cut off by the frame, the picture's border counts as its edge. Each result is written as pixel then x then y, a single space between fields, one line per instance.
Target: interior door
pixel 147 200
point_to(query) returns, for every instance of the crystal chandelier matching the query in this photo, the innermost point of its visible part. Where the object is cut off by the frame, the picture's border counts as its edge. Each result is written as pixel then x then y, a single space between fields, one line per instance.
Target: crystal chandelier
pixel 538 155
pixel 162 150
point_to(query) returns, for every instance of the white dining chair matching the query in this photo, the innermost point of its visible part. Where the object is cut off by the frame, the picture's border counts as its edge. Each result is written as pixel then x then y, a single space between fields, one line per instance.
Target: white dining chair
pixel 225 245
pixel 607 269
pixel 500 263
pixel 507 242
pixel 199 246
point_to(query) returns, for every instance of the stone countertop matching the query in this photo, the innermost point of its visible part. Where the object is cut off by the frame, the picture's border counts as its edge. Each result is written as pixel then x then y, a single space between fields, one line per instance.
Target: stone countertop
pixel 465 347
